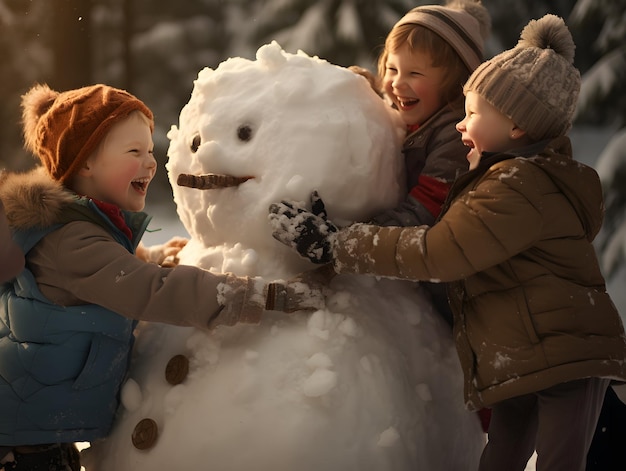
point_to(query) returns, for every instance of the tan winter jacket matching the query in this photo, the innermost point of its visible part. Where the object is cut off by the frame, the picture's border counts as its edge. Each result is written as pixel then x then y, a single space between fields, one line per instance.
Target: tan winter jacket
pixel 530 304
pixel 82 263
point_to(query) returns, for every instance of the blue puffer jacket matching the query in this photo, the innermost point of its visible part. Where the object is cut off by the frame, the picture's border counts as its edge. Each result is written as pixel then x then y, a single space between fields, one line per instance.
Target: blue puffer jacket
pixel 61 368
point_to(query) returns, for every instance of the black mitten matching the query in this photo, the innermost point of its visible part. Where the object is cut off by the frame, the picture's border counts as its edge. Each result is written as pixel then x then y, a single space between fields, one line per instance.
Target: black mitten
pixel 309 232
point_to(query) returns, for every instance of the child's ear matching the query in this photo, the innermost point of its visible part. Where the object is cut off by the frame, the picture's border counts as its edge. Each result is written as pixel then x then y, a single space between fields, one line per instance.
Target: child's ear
pixel 516 132
pixel 85 169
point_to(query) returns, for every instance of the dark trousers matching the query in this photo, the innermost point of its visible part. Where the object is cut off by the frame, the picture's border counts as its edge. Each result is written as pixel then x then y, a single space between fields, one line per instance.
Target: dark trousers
pixel 439 297
pixel 558 422
pixel 53 457
pixel 608 448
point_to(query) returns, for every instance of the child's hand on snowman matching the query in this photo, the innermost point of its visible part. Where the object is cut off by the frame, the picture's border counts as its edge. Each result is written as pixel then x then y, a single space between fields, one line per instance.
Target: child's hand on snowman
pixel 165 255
pixel 308 232
pixel 304 292
pixel 245 299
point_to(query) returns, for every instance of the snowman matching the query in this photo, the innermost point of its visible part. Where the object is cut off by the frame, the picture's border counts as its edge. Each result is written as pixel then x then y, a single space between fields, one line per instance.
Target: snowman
pixel 369 383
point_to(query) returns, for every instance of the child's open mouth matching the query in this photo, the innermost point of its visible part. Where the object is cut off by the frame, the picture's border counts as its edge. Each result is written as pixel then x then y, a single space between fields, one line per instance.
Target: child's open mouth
pixel 141 184
pixel 407 102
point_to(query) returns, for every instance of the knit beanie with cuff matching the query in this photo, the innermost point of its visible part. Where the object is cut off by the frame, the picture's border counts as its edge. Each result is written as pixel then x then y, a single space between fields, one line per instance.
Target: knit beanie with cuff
pixel 535 84
pixel 64 129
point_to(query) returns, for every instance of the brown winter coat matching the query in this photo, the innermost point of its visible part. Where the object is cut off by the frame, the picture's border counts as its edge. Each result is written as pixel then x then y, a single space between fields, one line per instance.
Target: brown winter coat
pixel 530 304
pixel 82 263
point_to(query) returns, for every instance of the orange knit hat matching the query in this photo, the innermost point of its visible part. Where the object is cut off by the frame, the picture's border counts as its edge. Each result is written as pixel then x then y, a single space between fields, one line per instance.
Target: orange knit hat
pixel 63 129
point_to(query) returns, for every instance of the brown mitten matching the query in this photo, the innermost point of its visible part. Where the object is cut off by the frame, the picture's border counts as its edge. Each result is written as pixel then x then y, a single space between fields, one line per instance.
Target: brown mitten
pixel 243 300
pixel 304 292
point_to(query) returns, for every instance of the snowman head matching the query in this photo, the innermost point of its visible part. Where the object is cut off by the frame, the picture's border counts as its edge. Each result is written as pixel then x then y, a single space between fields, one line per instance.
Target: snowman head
pixel 256 132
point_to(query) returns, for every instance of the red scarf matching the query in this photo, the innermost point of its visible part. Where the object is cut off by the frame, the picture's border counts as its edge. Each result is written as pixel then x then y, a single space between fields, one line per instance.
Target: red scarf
pixel 410 128
pixel 114 213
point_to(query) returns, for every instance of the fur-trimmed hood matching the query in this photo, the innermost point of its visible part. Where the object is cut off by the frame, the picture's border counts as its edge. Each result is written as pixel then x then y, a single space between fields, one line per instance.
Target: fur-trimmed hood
pixel 33 199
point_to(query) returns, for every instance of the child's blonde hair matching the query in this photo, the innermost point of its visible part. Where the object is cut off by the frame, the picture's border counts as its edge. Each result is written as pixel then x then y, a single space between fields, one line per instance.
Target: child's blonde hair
pixel 421 39
pixel 135 115
pixel 452 35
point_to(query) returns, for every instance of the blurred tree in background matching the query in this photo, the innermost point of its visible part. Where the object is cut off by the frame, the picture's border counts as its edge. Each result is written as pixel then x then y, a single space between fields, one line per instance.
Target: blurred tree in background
pixel 26 58
pixel 71 47
pixel 603 102
pixel 155 48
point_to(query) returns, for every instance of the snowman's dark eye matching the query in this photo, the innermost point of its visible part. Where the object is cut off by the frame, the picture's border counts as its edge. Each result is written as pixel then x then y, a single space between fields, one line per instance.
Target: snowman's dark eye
pixel 195 143
pixel 244 132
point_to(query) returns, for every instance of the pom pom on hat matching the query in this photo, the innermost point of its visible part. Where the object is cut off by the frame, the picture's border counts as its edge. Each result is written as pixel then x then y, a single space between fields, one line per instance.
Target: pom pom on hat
pixel 64 129
pixel 34 105
pixel 463 24
pixel 549 33
pixel 478 11
pixel 535 83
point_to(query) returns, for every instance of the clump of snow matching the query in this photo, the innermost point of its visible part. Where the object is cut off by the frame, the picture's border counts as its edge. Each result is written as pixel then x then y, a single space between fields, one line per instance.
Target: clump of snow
pixel 321 382
pixel 389 437
pixel 512 171
pixel 131 396
pixel 369 383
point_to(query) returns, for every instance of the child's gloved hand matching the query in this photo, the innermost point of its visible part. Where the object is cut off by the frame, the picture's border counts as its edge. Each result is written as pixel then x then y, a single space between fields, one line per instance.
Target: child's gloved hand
pixel 304 292
pixel 310 233
pixel 245 299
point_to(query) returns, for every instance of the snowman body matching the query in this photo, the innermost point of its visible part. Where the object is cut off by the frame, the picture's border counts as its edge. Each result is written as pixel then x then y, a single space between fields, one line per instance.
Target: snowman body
pixel 370 382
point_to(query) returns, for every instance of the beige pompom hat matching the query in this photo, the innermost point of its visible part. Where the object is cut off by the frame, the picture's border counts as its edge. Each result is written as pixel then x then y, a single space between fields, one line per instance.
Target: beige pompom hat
pixel 535 83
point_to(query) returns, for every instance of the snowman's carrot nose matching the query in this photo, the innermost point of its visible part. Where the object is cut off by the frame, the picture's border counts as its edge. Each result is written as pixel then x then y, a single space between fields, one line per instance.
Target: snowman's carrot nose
pixel 209 181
